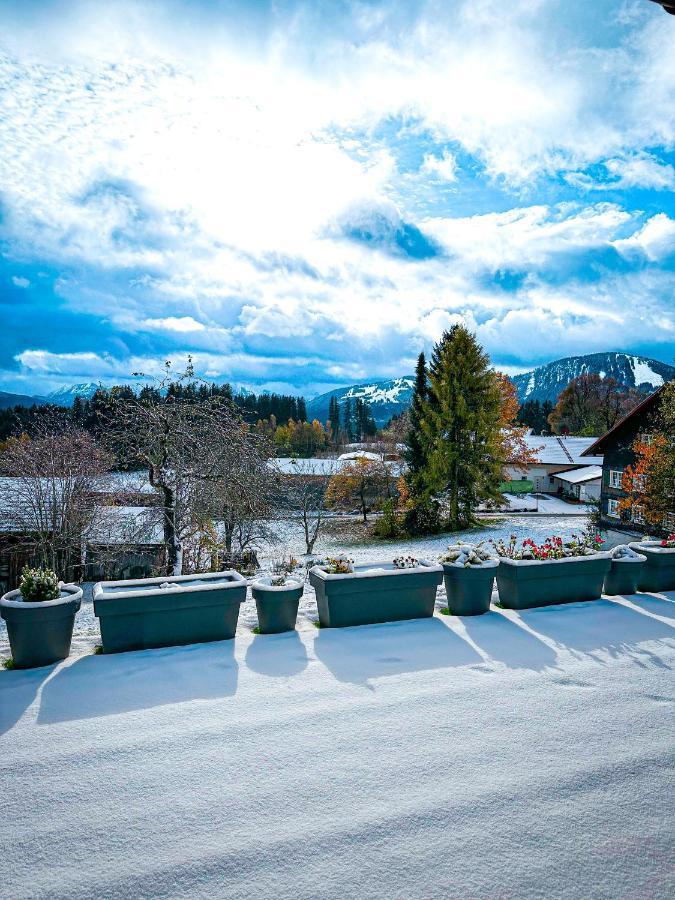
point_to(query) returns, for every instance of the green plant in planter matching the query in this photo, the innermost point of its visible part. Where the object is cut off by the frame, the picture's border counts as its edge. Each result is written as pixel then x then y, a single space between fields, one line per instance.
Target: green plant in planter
pixel 38 585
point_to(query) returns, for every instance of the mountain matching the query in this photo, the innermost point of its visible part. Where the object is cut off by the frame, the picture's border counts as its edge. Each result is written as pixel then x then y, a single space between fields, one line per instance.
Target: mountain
pixel 66 395
pixel 546 382
pixel 386 398
pixel 8 400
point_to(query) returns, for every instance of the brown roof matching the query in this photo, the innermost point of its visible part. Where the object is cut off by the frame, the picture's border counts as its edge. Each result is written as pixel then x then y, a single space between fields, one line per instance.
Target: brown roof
pixel 598 448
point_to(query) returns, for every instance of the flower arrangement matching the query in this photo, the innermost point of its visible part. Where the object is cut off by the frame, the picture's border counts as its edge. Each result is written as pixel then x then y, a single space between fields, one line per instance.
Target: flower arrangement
pixel 339 565
pixel 669 542
pixel 466 555
pixel 38 585
pixel 552 548
pixel 406 562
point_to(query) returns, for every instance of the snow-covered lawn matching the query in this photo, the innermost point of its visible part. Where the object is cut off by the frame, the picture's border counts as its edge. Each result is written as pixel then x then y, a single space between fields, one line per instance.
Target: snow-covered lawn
pixel 545 505
pixel 511 755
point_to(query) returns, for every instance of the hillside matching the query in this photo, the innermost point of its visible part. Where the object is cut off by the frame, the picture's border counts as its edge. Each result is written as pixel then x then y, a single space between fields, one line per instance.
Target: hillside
pixel 546 382
pixel 8 400
pixel 386 398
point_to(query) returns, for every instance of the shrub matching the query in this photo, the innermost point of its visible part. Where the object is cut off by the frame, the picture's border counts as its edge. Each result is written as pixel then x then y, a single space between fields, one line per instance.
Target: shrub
pixel 389 523
pixel 38 585
pixel 423 518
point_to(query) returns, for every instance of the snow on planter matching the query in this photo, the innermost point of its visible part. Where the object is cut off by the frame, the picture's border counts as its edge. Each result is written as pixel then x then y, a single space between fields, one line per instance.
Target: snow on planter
pixel 374 592
pixel 40 633
pixel 276 599
pixel 468 574
pixel 625 571
pixel 161 612
pixel 658 573
pixel 553 572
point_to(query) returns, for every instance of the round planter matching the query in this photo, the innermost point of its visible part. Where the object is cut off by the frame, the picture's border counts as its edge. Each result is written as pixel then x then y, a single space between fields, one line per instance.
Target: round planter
pixel 277 606
pixel 624 576
pixel 469 588
pixel 40 633
pixel 658 573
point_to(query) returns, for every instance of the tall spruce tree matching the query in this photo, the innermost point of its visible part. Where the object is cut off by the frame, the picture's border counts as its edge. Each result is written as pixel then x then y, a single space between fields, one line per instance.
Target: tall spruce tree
pixel 460 423
pixel 415 455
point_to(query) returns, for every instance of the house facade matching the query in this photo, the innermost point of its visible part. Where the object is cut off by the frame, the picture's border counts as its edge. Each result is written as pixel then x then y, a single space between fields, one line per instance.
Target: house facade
pixel 616 449
pixel 554 455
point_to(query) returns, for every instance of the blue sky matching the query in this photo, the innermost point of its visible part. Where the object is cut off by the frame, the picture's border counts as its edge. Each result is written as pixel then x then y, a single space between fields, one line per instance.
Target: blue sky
pixel 304 195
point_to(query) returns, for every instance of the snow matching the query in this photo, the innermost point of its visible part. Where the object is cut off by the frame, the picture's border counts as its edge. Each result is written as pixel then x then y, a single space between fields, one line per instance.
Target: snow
pixel 545 505
pixel 514 754
pixel 578 476
pixel 644 373
pixel 550 450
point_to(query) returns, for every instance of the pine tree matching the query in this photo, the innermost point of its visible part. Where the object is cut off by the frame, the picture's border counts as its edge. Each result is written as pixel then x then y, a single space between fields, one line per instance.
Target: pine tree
pixel 347 420
pixel 415 453
pixel 460 423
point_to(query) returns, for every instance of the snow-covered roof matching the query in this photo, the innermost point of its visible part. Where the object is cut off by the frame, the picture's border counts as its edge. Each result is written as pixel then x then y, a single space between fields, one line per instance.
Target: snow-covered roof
pixel 555 450
pixel 359 454
pixel 578 476
pixel 321 466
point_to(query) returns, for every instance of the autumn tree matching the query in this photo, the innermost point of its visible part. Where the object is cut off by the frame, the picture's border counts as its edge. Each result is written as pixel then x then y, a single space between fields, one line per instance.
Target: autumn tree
pixel 363 482
pixel 514 450
pixel 649 484
pixel 591 405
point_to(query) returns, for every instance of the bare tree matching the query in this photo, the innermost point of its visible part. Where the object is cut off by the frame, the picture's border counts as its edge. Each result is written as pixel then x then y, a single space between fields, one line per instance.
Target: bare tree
pixel 52 492
pixel 362 482
pixel 305 488
pixel 195 448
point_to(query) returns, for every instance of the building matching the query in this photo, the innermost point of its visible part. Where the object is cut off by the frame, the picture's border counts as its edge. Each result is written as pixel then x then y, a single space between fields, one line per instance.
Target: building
pixel 616 449
pixel 580 484
pixel 555 455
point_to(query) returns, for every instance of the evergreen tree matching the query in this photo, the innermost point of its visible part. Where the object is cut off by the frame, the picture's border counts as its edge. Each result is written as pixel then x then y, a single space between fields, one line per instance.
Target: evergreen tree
pixel 347 423
pixel 415 453
pixel 460 422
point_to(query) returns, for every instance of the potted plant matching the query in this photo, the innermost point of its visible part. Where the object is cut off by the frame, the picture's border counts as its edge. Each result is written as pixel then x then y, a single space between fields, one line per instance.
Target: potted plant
pixel 40 616
pixel 374 592
pixel 658 573
pixel 160 612
pixel 277 597
pixel 469 574
pixel 555 571
pixel 625 571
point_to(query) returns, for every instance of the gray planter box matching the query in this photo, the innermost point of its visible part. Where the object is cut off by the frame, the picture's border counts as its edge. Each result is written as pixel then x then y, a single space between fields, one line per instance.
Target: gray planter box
pixel 40 633
pixel 658 573
pixel 469 588
pixel 624 576
pixel 525 584
pixel 277 606
pixel 138 613
pixel 375 592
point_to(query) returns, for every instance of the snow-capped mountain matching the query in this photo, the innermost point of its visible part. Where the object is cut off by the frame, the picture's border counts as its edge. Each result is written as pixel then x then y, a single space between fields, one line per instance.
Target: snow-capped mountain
pixel 386 398
pixel 66 395
pixel 546 382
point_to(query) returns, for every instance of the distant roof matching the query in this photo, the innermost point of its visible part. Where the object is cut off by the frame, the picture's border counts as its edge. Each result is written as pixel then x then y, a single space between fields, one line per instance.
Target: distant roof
pixel 321 466
pixel 563 451
pixel 599 446
pixel 579 476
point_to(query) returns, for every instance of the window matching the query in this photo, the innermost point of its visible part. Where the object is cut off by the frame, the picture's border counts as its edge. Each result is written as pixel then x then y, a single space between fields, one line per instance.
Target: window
pixel 637 515
pixel 613 509
pixel 645 438
pixel 669 521
pixel 615 478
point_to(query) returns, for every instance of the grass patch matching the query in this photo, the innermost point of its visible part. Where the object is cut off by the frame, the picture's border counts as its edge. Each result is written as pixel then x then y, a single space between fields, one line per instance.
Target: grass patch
pixel 500 605
pixel 98 649
pixel 316 624
pixel 8 663
pixel 446 611
pixel 256 629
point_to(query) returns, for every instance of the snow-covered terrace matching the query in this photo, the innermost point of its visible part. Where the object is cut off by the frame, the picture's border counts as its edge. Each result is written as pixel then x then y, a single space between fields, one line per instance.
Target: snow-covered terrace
pixel 514 755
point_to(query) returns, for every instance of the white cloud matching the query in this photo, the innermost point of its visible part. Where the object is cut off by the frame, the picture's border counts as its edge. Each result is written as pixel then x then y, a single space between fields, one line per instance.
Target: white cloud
pixel 444 167
pixel 20 282
pixel 180 324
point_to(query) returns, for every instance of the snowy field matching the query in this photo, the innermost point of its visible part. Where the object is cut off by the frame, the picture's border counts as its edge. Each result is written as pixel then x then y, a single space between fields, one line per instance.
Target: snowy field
pixel 512 755
pixel 508 756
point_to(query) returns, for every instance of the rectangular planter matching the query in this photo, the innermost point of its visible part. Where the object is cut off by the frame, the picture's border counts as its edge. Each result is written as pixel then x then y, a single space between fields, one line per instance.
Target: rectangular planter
pixel 375 592
pixel 658 573
pixel 139 613
pixel 525 584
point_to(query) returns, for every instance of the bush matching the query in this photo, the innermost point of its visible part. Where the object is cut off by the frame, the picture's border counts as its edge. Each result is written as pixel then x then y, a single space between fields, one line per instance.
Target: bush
pixel 423 518
pixel 38 585
pixel 389 523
